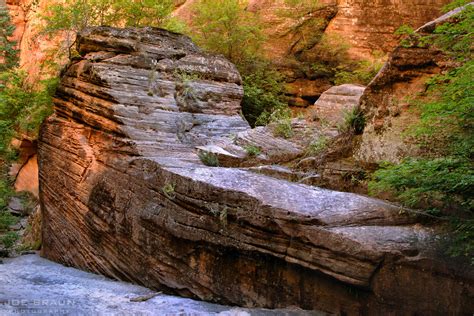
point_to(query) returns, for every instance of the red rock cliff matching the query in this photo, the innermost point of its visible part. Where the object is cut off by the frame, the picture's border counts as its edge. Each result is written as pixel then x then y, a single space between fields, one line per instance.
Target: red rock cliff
pixel 366 25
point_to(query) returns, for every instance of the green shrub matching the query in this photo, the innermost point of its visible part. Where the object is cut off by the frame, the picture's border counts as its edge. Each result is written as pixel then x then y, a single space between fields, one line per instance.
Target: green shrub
pixel 317 146
pixel 6 220
pixel 429 183
pixel 22 107
pixel 9 239
pixel 8 52
pixel 462 243
pixel 252 150
pixel 209 159
pixel 68 18
pixel 169 191
pixel 442 182
pixel 361 72
pixel 354 121
pixel 226 27
pixel 335 64
pixel 281 119
pixel 263 93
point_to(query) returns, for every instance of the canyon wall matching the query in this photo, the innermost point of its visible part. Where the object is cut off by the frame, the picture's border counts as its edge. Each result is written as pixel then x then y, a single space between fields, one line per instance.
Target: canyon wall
pixel 367 26
pixel 389 102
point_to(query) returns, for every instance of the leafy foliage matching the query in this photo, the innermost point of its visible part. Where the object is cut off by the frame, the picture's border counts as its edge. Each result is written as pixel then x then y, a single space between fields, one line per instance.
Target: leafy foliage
pixel 430 183
pixel 354 121
pixel 335 64
pixel 442 182
pixel 457 37
pixel 9 239
pixel 225 27
pixel 74 16
pixel 281 119
pixel 361 72
pixel 263 94
pixel 22 107
pixel 8 51
pixel 252 150
pixel 317 146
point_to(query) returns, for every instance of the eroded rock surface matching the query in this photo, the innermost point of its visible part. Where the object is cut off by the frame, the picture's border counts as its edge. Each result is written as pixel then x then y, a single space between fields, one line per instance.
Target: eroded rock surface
pixel 336 102
pixel 124 194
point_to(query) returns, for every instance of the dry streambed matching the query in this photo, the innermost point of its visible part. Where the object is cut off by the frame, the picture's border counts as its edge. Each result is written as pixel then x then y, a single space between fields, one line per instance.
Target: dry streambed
pixel 31 285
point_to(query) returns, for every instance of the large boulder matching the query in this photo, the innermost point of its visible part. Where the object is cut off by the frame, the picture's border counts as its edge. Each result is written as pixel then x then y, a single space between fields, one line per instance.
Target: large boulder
pixel 334 104
pixel 124 194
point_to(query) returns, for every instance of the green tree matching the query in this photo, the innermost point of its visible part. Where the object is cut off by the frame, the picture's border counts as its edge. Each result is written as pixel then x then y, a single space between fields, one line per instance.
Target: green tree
pixel 67 19
pixel 226 27
pixel 263 94
pixel 8 51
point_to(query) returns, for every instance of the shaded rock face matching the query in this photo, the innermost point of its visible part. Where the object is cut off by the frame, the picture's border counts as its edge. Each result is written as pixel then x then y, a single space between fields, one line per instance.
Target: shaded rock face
pixel 124 194
pixel 64 290
pixel 386 101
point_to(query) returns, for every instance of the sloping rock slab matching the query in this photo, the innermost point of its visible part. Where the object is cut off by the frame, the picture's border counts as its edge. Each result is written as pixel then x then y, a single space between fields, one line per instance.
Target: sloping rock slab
pixel 124 194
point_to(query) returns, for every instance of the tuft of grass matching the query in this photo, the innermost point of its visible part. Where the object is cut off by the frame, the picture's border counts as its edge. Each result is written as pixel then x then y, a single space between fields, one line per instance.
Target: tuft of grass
pixel 354 121
pixel 317 146
pixel 281 118
pixel 209 159
pixel 252 150
pixel 216 211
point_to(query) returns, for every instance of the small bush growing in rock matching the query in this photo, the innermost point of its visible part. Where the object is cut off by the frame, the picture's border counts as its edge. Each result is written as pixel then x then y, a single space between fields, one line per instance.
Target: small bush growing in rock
pixel 281 121
pixel 9 239
pixel 209 159
pixel 6 220
pixel 168 190
pixel 263 93
pixel 317 146
pixel 354 120
pixel 252 150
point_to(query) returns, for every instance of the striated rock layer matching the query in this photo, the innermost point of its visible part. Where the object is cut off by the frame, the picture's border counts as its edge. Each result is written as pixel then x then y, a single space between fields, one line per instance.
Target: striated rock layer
pixel 124 194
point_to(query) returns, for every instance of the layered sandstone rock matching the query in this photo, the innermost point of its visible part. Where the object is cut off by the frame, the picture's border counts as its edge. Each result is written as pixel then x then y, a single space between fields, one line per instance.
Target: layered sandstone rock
pixel 124 194
pixel 336 102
